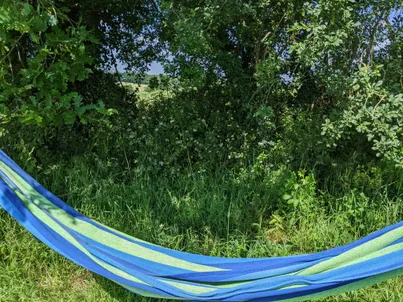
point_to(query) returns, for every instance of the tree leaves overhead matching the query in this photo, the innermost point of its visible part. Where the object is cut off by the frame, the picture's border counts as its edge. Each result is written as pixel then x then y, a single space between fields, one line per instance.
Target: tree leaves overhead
pixel 42 53
pixel 295 54
pixel 128 30
pixel 225 37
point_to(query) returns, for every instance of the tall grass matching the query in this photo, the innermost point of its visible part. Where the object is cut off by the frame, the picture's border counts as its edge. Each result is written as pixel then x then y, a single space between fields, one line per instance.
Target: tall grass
pixel 223 213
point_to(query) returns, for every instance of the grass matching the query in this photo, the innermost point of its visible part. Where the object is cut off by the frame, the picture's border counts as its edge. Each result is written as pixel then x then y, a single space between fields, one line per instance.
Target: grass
pixel 144 92
pixel 218 213
pixel 134 86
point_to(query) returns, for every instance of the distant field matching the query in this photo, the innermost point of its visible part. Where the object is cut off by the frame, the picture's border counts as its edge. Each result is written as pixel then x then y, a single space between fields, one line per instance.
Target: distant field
pixel 133 86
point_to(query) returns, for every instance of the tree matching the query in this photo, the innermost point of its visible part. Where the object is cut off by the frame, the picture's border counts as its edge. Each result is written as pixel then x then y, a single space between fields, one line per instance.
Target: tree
pixel 43 53
pixel 127 31
pixel 51 48
pixel 222 39
pixel 164 82
pixel 153 83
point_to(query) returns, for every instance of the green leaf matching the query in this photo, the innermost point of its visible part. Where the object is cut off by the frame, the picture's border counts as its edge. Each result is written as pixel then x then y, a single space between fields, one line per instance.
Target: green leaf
pixel 26 10
pixel 38 24
pixel 34 37
pixel 286 196
pixel 69 117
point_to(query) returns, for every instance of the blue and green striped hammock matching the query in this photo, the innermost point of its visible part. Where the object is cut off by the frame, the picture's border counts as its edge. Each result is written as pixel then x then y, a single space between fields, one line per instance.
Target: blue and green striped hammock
pixel 154 271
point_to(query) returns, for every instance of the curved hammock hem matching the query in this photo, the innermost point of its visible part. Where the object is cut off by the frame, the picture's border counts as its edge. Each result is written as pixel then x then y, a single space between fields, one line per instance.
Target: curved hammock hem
pixel 153 271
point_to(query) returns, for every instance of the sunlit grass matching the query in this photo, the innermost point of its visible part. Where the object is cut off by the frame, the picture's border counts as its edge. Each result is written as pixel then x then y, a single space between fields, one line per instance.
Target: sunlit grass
pixel 214 213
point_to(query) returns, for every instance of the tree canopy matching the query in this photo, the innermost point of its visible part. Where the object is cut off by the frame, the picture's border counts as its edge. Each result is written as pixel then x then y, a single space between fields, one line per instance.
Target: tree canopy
pixel 239 64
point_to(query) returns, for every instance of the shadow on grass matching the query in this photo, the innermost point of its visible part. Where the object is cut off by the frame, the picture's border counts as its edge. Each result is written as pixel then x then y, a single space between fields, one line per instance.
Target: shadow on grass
pixel 119 293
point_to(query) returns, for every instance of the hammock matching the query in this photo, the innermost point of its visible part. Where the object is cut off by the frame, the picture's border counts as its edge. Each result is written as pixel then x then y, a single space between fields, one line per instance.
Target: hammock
pixel 154 271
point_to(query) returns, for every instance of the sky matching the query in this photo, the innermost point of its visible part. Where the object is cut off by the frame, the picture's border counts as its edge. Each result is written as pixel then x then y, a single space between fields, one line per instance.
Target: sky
pixel 155 68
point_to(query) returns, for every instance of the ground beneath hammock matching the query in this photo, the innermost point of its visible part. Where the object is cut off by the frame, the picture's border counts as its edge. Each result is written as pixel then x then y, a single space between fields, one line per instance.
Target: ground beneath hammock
pixel 207 215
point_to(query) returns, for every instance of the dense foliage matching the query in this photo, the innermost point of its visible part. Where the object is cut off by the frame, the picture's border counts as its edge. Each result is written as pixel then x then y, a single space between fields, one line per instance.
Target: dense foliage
pixel 41 56
pixel 315 86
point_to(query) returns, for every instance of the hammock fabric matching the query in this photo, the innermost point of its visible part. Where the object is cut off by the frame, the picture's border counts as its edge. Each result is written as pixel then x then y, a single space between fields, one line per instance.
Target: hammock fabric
pixel 154 271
